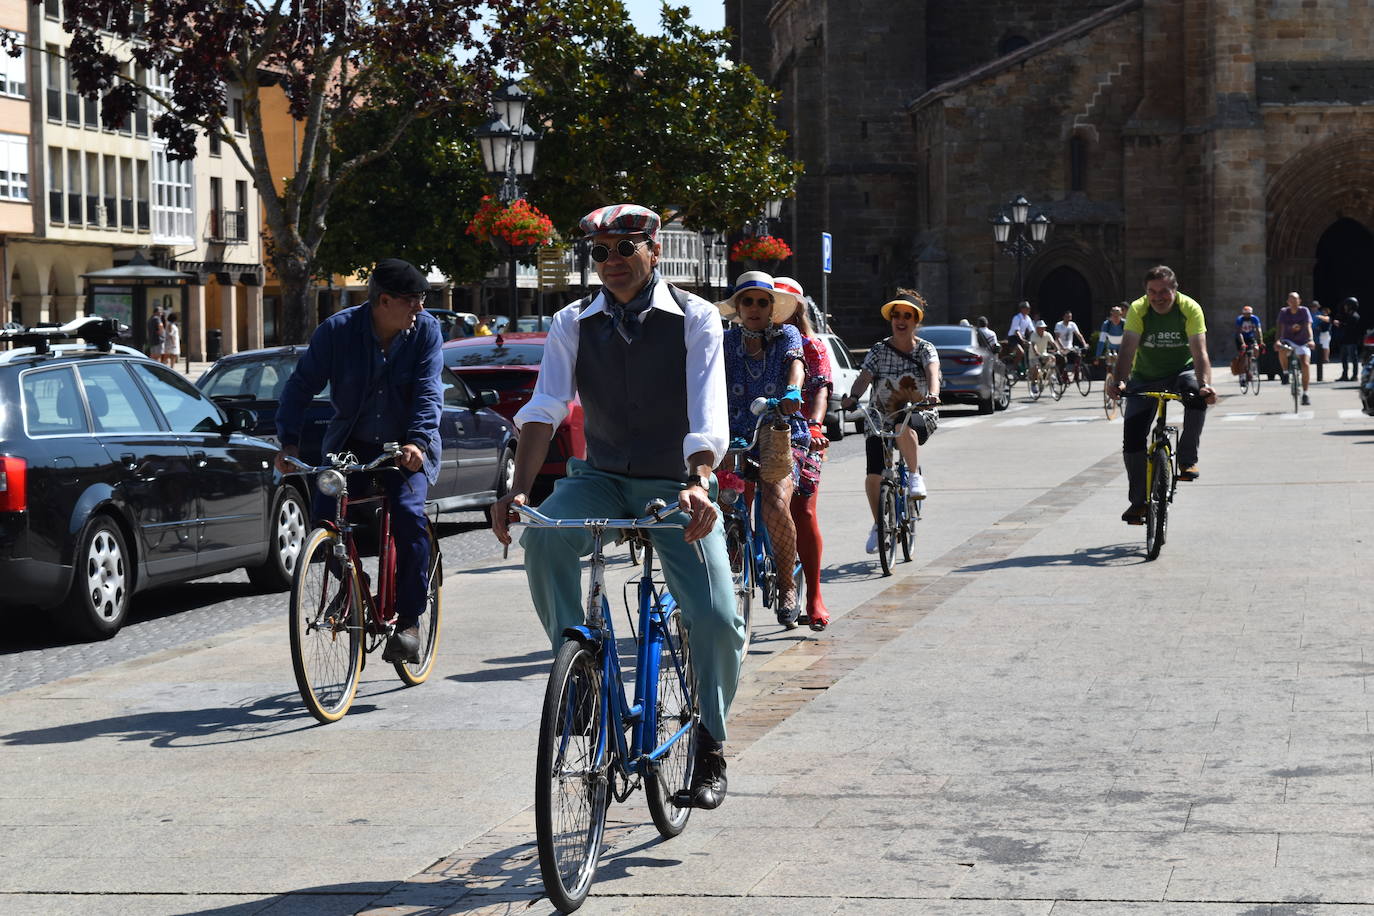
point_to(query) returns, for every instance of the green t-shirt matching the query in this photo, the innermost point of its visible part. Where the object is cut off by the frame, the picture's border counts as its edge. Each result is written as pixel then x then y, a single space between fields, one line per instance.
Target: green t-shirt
pixel 1164 349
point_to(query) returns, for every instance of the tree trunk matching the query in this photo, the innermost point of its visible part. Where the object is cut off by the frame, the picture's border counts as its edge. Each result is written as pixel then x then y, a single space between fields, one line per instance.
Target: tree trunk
pixel 297 303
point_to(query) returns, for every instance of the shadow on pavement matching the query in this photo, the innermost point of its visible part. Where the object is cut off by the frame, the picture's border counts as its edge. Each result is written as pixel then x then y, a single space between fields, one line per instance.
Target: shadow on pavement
pixel 1112 555
pixel 513 668
pixel 852 572
pixel 186 727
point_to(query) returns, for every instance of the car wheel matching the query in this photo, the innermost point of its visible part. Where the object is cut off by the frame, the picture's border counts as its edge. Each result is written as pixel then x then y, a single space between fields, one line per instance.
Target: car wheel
pixel 505 473
pixel 290 522
pixel 102 582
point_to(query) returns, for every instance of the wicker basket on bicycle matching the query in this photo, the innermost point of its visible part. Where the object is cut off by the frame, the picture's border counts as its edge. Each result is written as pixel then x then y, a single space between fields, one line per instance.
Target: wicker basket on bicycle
pixel 775 452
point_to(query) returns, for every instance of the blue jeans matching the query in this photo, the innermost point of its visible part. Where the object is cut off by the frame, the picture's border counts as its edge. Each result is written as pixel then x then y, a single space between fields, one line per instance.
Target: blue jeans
pixel 706 594
pixel 406 492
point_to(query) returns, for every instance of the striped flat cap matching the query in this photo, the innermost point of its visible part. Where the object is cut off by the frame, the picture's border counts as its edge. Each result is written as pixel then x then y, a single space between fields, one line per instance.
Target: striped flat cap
pixel 620 219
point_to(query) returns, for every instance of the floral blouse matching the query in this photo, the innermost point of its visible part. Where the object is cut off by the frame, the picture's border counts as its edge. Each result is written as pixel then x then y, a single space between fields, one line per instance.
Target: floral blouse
pixel 747 378
pixel 817 372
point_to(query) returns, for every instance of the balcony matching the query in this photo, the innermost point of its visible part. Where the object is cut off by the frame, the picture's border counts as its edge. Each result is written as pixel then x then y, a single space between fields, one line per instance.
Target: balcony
pixel 228 226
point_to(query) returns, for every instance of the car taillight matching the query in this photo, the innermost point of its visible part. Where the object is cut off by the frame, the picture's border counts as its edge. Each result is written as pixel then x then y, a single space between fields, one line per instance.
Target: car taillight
pixel 969 360
pixel 13 484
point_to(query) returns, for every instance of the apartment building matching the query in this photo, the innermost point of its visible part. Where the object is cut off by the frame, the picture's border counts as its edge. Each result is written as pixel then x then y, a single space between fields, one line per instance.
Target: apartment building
pixel 92 197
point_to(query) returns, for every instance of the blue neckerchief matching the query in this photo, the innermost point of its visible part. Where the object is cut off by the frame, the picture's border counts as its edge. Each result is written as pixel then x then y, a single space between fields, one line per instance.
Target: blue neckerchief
pixel 627 319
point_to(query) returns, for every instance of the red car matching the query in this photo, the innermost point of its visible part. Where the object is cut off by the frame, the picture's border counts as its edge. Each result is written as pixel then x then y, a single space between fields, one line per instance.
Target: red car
pixel 509 365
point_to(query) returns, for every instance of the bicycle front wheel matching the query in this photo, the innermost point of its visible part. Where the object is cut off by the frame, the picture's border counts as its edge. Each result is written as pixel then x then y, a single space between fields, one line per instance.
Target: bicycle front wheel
pixel 1034 387
pixel 419 672
pixel 326 628
pixel 1254 380
pixel 887 526
pixel 1057 385
pixel 1157 509
pixel 571 785
pixel 908 531
pixel 737 549
pixel 1295 382
pixel 678 706
pixel 1109 404
pixel 1084 380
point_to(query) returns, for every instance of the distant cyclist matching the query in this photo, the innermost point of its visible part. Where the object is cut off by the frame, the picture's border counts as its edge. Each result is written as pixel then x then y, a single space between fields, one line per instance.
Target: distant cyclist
pixel 1164 349
pixel 1042 345
pixel 1066 332
pixel 1294 325
pixel 1249 334
pixel 1109 335
pixel 1018 334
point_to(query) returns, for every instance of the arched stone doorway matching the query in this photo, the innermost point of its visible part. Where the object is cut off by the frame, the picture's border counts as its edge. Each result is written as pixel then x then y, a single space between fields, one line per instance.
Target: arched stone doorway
pixel 1344 255
pixel 1320 202
pixel 1065 289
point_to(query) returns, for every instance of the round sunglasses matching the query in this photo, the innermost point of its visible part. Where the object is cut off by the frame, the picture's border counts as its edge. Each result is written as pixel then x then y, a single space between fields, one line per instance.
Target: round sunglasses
pixel 625 248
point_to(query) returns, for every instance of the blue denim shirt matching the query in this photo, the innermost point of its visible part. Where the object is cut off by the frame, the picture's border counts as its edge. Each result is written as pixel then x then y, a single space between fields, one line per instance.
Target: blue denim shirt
pixel 393 398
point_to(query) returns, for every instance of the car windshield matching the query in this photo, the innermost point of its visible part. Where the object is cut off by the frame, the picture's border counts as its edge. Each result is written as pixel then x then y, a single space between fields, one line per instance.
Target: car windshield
pixel 257 379
pixel 533 323
pixel 492 354
pixel 947 337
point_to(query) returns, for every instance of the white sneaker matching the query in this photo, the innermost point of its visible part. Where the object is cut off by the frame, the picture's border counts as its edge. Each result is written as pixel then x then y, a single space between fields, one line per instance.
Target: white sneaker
pixel 916 487
pixel 871 545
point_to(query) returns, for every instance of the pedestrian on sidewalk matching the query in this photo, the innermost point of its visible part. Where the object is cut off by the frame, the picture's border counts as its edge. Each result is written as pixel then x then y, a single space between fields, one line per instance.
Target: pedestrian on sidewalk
pixel 171 340
pixel 1347 338
pixel 156 333
pixel 1321 327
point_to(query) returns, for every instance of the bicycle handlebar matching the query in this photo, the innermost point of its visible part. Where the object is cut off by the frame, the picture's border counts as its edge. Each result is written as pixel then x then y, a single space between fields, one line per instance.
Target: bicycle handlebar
pixel 347 462
pixel 653 519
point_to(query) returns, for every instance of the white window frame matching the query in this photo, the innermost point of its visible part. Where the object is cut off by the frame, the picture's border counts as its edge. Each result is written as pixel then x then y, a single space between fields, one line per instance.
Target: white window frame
pixel 14 182
pixel 14 74
pixel 173 214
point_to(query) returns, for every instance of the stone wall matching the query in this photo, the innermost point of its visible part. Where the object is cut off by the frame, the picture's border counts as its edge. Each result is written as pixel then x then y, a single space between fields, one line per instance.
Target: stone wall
pixel 967 34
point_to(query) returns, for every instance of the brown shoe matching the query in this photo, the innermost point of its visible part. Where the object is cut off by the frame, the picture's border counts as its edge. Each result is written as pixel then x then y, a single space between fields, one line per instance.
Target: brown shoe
pixel 1135 515
pixel 1189 473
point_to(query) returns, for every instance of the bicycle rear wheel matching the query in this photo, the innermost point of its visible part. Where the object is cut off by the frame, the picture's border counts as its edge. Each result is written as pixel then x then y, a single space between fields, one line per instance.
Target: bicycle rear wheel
pixel 430 621
pixel 908 530
pixel 326 629
pixel 1109 404
pixel 1157 509
pixel 571 786
pixel 1295 382
pixel 1034 386
pixel 887 526
pixel 1057 384
pixel 678 706
pixel 737 549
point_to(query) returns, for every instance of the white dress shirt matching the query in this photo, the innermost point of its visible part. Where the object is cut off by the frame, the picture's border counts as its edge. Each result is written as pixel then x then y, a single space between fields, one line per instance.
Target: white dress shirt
pixel 707 423
pixel 1021 323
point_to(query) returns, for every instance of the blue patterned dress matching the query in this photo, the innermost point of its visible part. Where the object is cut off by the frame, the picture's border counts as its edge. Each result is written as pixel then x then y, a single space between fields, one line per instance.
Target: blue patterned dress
pixel 747 379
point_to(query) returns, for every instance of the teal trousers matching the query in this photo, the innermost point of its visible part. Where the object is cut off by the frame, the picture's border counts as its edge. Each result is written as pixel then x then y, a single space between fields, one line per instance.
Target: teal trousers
pixel 715 630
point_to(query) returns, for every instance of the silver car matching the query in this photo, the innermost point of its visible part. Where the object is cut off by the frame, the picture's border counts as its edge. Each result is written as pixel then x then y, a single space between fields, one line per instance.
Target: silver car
pixel 969 373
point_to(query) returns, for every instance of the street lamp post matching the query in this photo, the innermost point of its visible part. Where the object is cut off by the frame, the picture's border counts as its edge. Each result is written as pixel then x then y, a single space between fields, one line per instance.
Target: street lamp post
pixel 508 147
pixel 1020 235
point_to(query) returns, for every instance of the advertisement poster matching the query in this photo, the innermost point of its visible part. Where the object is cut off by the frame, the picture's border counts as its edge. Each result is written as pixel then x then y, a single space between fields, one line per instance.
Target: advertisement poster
pixel 113 302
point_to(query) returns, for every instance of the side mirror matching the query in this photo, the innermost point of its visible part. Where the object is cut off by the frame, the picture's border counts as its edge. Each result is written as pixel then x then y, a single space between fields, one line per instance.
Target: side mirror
pixel 488 397
pixel 241 420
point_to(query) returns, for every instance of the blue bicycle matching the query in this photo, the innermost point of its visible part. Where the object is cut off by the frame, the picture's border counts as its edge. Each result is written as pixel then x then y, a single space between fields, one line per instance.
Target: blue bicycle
pixel 898 512
pixel 586 757
pixel 747 541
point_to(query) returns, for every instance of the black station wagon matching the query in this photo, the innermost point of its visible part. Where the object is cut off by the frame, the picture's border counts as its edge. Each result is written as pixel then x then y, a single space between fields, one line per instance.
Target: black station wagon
pixel 117 475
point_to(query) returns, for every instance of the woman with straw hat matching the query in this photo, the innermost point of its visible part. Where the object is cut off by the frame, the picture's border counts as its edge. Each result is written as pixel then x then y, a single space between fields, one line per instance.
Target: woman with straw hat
pixel 763 359
pixel 903 369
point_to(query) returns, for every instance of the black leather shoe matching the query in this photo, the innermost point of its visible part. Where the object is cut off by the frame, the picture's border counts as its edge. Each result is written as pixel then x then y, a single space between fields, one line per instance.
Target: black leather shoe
pixel 403 646
pixel 708 775
pixel 1135 515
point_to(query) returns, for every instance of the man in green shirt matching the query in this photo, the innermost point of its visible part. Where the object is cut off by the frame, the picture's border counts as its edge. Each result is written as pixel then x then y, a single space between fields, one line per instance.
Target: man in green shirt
pixel 1164 348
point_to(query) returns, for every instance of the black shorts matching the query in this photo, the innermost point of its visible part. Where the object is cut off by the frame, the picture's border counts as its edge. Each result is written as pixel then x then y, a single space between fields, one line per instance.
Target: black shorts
pixel 873 445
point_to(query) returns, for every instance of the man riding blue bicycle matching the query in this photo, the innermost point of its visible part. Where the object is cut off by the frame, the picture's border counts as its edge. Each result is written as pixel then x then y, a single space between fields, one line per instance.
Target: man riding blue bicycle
pixel 381 361
pixel 646 360
pixel 1164 348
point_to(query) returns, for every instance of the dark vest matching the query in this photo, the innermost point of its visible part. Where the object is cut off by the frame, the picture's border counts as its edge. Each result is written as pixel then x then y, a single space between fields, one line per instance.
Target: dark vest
pixel 634 396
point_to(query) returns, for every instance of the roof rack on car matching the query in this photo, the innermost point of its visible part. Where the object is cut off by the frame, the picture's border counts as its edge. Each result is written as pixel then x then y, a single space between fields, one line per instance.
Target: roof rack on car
pixel 94 329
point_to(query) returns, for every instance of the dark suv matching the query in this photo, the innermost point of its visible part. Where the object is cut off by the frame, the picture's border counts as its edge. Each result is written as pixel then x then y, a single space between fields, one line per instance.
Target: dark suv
pixel 117 475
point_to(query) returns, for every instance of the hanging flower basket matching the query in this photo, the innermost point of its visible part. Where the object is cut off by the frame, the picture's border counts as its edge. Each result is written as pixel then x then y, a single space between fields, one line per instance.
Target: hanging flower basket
pixel 761 249
pixel 513 229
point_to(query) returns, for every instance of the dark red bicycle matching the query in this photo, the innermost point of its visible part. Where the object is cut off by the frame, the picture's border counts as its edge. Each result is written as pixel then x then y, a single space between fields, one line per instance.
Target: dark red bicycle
pixel 336 620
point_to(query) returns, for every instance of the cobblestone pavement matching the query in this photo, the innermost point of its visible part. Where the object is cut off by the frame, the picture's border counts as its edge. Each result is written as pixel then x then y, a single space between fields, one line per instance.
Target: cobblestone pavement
pixel 179 615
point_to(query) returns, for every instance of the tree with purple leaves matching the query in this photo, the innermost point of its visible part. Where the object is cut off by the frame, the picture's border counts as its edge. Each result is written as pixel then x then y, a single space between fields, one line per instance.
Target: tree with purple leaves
pixel 334 61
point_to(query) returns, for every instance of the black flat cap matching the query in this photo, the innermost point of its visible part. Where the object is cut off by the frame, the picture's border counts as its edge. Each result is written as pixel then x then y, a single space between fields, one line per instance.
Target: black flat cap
pixel 399 277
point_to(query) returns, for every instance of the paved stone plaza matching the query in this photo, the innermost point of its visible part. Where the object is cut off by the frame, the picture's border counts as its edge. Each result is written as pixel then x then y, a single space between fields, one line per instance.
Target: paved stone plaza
pixel 1028 719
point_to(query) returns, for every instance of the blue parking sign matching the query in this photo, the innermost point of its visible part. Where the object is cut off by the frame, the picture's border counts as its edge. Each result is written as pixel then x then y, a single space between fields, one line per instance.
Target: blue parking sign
pixel 825 252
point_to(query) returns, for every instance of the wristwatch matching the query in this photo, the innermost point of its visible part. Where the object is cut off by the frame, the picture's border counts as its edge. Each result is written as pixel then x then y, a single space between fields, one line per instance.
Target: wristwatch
pixel 696 480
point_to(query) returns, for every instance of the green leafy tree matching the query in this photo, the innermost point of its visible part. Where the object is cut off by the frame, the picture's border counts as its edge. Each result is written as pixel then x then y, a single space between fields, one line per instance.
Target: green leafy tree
pixel 662 120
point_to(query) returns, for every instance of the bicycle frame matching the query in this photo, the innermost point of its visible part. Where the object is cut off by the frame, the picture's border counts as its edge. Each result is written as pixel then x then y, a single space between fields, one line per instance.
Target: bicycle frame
pixel 1162 436
pixel 655 607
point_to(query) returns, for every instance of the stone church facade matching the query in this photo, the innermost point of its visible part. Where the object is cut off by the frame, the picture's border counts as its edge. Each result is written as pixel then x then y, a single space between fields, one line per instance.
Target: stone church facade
pixel 1230 139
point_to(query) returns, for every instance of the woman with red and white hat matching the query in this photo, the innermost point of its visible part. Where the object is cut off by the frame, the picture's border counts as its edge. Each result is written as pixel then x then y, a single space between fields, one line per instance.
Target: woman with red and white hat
pixel 763 359
pixel 816 389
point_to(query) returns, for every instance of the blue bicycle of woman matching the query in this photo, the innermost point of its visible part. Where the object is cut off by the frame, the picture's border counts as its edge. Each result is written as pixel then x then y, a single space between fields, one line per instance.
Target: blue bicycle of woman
pixel 594 744
pixel 747 541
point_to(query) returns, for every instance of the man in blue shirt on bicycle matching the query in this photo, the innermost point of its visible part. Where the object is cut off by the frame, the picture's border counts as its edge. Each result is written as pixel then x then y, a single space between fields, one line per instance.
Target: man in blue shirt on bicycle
pixel 646 360
pixel 381 361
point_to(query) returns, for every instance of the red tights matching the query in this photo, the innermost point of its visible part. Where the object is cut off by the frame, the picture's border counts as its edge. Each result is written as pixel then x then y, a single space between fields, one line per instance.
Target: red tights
pixel 809 547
